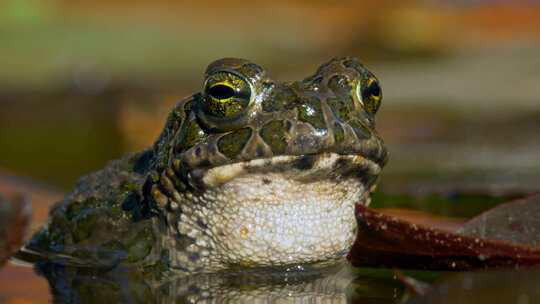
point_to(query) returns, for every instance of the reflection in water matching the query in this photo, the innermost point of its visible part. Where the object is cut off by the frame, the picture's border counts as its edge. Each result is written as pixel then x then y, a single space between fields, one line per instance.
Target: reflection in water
pixel 514 286
pixel 86 285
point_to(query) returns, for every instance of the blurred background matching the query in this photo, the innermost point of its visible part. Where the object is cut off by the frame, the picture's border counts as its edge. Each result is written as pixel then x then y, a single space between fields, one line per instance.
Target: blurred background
pixel 83 82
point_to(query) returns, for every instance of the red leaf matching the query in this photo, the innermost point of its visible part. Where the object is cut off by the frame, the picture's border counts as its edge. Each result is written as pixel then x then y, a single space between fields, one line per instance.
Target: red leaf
pixel 384 240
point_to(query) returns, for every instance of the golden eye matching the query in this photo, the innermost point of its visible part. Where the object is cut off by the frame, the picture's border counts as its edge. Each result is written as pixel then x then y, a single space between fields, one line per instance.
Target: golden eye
pixel 226 95
pixel 370 94
pixel 221 91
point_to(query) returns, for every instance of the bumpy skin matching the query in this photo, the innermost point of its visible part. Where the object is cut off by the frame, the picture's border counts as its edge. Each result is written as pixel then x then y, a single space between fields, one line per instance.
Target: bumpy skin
pixel 250 172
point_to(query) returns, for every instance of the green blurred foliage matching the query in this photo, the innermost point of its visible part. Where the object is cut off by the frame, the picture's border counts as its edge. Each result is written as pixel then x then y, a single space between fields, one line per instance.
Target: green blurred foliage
pixel 20 13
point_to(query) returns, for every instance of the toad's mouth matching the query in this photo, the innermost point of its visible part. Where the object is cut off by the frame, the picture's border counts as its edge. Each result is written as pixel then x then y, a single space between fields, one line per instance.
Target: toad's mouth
pixel 302 168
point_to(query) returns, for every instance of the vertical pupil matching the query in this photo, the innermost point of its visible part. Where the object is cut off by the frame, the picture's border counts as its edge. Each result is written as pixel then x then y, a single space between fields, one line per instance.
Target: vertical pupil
pixel 221 91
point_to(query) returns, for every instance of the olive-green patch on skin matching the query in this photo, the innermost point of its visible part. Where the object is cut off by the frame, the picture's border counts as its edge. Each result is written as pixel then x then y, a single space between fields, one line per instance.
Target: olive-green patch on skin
pixel 274 134
pixel 83 227
pixel 140 246
pixel 362 132
pixel 174 121
pixel 343 108
pixel 282 98
pixel 339 133
pixel 371 106
pixel 116 211
pixel 165 141
pixel 193 135
pixel 77 207
pixel 53 238
pixel 73 210
pixel 311 112
pixel 187 107
pixel 128 186
pixel 340 85
pixel 232 144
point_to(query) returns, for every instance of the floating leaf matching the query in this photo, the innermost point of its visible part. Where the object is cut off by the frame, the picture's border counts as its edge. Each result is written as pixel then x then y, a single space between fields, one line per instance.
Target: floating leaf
pixel 425 219
pixel 385 240
pixel 517 221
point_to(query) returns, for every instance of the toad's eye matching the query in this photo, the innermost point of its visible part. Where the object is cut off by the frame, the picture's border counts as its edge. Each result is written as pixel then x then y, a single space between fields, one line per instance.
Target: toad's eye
pixel 221 92
pixel 226 95
pixel 370 94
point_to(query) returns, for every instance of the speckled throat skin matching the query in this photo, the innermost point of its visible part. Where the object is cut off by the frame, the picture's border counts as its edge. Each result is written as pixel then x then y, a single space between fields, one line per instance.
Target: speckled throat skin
pixel 250 172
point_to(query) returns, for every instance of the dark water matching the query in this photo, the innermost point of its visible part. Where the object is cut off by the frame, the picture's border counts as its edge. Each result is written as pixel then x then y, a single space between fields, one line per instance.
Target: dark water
pixel 341 284
pixel 46 283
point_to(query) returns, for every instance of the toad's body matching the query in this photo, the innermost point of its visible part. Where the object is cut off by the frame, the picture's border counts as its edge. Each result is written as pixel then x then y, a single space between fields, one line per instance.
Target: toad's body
pixel 250 172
